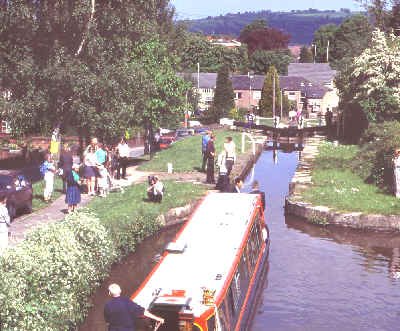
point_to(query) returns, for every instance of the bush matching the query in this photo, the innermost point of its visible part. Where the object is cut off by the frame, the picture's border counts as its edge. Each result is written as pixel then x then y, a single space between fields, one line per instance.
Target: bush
pixel 238 114
pixel 374 160
pixel 46 282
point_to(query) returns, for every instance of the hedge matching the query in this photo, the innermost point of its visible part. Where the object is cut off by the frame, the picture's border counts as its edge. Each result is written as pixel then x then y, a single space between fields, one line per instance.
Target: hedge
pixel 46 282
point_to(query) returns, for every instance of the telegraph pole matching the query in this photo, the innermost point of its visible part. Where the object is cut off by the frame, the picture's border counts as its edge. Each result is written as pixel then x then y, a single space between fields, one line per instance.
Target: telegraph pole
pixel 327 53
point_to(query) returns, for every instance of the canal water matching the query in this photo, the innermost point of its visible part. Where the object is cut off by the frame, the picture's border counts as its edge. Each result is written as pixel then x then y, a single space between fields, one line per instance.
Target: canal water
pixel 319 278
pixel 323 278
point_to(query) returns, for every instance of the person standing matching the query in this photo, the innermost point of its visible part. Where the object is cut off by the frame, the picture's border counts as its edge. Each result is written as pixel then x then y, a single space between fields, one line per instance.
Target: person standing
pixel 223 179
pixel 66 162
pixel 89 171
pixel 120 313
pixel 123 151
pixel 204 141
pixel 4 222
pixel 396 172
pixel 255 190
pixel 48 170
pixel 210 160
pixel 73 196
pixel 230 150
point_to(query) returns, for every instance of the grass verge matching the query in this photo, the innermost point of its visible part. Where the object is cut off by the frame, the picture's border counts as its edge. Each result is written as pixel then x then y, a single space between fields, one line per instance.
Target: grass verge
pixel 185 154
pixel 336 186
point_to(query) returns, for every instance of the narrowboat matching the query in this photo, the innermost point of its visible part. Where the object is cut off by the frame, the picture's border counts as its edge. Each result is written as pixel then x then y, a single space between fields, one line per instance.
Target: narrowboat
pixel 209 275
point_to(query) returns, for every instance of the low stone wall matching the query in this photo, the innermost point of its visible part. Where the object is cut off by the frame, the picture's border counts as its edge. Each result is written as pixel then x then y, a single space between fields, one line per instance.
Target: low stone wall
pixel 323 215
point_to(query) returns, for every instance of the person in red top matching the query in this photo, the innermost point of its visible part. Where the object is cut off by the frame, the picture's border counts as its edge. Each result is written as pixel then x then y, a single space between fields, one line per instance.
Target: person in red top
pixel 120 313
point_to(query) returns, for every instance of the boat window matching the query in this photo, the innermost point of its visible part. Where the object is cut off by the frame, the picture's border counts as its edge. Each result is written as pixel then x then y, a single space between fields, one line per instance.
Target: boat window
pixel 230 304
pixel 196 328
pixel 211 323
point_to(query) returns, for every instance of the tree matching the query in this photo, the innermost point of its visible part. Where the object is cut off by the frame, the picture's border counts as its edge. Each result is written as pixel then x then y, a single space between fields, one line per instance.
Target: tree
pixel 322 37
pixel 305 55
pixel 266 101
pixel 223 98
pixel 266 39
pixel 257 24
pixel 66 63
pixel 369 87
pixel 349 40
pixel 261 61
pixel 288 105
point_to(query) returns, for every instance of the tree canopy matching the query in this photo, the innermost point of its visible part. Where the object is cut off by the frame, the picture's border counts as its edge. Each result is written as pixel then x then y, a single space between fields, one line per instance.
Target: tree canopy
pixel 85 63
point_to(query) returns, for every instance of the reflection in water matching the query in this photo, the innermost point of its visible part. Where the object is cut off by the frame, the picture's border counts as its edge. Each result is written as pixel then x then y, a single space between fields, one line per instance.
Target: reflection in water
pixel 323 278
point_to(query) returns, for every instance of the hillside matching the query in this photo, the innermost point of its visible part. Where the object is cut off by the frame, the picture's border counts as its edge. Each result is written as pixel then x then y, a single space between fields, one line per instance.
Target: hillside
pixel 301 24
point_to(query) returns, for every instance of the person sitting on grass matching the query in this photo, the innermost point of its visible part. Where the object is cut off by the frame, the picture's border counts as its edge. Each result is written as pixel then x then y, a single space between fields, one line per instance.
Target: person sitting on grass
pixel 155 190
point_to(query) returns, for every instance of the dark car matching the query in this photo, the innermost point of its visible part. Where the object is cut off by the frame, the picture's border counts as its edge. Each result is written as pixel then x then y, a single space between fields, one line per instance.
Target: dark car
pixel 18 190
pixel 183 132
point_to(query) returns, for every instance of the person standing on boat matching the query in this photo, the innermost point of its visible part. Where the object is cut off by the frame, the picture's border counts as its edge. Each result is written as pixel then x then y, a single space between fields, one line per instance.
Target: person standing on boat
pixel 120 313
pixel 230 150
pixel 255 190
pixel 238 185
pixel 210 160
pixel 204 140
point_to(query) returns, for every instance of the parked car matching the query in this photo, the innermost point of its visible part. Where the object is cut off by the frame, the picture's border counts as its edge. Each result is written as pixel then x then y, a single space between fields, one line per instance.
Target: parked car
pixel 18 190
pixel 165 141
pixel 184 132
pixel 201 130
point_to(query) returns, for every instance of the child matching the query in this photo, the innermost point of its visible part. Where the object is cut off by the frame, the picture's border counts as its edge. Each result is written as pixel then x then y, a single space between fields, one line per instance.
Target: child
pixel 103 181
pixel 48 170
pixel 4 222
pixel 73 196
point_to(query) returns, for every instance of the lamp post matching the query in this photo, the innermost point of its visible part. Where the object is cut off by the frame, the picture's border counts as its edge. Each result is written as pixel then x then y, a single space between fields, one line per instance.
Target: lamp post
pixel 249 74
pixel 315 51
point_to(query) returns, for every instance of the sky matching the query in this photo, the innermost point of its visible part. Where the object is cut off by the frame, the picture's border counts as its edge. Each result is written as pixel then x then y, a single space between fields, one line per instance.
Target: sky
pixel 202 8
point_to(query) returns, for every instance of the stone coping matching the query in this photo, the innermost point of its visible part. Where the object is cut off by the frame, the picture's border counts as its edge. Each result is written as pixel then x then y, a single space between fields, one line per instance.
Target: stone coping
pixel 323 215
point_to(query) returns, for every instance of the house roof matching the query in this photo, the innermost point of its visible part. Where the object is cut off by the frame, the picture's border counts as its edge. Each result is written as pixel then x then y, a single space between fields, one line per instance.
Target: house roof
pixel 207 79
pixel 286 83
pixel 320 73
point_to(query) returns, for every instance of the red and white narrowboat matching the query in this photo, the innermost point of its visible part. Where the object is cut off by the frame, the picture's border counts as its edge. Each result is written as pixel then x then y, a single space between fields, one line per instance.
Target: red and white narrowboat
pixel 209 276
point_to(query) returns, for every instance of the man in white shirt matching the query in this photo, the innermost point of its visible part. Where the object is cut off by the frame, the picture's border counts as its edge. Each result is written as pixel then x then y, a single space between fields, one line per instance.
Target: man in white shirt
pixel 155 190
pixel 123 152
pixel 230 150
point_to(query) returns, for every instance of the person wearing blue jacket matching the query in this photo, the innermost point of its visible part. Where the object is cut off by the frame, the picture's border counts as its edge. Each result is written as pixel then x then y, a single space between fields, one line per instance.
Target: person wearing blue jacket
pixel 204 141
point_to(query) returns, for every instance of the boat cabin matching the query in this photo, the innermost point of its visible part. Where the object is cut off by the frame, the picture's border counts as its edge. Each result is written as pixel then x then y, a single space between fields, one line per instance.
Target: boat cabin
pixel 208 276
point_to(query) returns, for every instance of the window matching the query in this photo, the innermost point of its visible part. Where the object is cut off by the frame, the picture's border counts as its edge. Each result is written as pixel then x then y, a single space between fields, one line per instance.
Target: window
pixel 292 93
pixel 238 95
pixel 257 95
pixel 5 128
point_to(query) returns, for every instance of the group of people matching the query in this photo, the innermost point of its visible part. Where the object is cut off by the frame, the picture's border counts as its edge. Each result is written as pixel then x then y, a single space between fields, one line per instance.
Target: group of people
pixel 100 166
pixel 226 160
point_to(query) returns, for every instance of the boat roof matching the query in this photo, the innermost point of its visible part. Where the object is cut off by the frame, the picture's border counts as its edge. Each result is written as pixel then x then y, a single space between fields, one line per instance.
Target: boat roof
pixel 211 240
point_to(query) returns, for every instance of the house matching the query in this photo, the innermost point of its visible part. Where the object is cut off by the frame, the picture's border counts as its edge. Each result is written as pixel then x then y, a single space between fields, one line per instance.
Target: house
pixel 306 94
pixel 204 84
pixel 225 42
pixel 319 73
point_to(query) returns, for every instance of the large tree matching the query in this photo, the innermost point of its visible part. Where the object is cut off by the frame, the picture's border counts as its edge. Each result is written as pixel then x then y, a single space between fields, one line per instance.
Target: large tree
pixel 261 61
pixel 305 55
pixel 68 63
pixel 224 96
pixel 370 86
pixel 323 38
pixel 350 40
pixel 267 93
pixel 266 39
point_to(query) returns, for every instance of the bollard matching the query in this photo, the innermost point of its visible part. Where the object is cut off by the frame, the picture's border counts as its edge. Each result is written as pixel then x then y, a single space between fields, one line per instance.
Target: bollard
pixel 169 167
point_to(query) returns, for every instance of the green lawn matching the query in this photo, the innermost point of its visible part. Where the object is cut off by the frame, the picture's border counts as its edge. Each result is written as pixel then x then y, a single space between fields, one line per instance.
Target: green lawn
pixel 267 121
pixel 118 210
pixel 38 188
pixel 185 154
pixel 336 186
